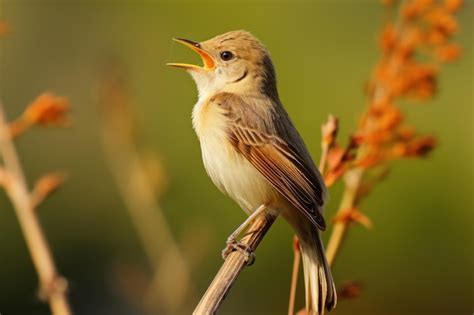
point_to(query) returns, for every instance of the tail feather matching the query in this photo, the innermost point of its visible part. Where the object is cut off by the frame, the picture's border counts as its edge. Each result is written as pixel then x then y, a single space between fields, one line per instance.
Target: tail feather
pixel 319 284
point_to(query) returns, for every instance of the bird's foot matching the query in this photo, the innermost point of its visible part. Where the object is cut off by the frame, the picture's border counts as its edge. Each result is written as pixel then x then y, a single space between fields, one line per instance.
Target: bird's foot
pixel 244 249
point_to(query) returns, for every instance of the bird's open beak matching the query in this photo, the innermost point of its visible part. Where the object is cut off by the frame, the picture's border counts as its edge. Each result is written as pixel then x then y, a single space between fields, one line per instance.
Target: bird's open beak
pixel 207 59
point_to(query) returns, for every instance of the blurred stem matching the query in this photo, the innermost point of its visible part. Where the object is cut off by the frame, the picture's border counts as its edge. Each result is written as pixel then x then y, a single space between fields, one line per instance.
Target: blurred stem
pixel 53 286
pixel 168 290
pixel 151 226
pixel 324 157
pixel 348 202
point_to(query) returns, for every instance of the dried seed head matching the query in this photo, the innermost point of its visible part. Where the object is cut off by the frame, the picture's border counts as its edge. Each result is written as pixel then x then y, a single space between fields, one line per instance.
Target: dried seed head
pixel 48 109
pixel 329 130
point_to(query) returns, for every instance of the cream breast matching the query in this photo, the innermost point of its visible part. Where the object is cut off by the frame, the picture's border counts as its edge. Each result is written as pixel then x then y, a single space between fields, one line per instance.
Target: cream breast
pixel 228 170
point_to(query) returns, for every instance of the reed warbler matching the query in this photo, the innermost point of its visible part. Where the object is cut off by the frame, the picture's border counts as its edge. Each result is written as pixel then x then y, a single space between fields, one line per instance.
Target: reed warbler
pixel 253 152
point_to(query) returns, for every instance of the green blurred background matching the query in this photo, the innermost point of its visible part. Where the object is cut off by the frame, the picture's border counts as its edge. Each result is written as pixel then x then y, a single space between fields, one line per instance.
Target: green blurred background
pixel 418 258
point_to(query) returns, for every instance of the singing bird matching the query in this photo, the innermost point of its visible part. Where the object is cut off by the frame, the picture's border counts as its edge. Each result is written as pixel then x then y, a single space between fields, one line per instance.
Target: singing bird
pixel 252 151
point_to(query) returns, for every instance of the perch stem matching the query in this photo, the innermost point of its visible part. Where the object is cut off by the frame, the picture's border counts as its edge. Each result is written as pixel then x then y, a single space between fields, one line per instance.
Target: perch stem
pixel 232 266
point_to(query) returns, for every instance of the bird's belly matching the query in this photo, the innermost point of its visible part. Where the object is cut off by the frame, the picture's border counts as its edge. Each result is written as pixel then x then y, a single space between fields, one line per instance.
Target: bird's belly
pixel 233 174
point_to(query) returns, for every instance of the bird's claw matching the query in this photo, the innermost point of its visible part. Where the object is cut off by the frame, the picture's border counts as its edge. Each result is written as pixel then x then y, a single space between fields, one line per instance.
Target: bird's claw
pixel 244 249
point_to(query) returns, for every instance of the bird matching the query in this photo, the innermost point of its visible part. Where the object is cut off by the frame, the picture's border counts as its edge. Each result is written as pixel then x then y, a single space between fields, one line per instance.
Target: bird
pixel 254 154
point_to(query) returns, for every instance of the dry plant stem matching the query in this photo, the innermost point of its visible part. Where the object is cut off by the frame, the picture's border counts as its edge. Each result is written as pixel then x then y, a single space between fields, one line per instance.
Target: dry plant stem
pixel 324 157
pixel 348 201
pixel 294 275
pixel 233 265
pixel 52 284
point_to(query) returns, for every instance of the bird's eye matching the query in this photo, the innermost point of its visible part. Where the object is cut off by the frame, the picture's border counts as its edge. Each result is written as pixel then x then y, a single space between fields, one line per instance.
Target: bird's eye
pixel 226 55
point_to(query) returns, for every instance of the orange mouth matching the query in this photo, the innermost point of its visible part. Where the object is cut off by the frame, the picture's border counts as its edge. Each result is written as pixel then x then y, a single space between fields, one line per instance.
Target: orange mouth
pixel 207 59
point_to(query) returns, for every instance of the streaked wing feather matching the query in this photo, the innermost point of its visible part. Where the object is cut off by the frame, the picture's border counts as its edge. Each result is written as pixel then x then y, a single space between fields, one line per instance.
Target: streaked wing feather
pixel 283 167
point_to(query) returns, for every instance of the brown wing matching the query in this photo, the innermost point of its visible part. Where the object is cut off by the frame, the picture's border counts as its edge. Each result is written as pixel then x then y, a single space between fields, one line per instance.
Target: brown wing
pixel 277 160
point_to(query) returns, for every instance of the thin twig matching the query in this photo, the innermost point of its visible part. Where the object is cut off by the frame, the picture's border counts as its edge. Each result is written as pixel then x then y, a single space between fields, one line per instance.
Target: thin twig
pixel 53 287
pixel 340 228
pixel 328 134
pixel 232 267
pixel 294 275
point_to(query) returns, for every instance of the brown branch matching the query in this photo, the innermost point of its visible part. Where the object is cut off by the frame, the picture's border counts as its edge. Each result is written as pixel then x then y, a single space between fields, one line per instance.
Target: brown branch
pixel 233 265
pixel 53 286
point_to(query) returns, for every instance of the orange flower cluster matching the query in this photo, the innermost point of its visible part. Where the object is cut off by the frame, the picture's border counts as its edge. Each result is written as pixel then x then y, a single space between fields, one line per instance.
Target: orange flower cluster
pixel 413 48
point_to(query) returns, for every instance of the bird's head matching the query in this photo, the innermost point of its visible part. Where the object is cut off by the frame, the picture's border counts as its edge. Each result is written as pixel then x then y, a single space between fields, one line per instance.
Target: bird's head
pixel 234 62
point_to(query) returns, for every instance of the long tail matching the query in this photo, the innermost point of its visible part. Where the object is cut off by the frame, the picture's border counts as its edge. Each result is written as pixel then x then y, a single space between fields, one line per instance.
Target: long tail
pixel 319 285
